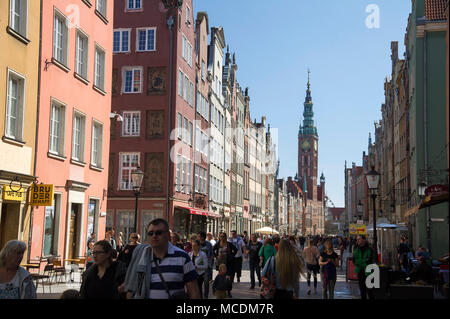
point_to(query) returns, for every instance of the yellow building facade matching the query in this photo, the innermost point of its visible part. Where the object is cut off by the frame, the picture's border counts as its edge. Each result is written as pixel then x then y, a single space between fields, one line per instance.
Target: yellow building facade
pixel 19 73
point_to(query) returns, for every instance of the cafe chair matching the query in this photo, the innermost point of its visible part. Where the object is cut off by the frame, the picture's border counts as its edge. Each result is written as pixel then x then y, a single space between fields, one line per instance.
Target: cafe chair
pixel 43 276
pixel 81 265
pixel 58 269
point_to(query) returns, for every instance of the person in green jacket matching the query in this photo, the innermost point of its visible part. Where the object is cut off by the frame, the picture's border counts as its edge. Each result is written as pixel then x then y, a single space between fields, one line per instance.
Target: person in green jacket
pixel 266 251
pixel 363 256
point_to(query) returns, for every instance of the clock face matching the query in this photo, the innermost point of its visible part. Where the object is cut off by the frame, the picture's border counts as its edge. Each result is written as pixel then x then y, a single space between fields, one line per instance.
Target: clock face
pixel 305 145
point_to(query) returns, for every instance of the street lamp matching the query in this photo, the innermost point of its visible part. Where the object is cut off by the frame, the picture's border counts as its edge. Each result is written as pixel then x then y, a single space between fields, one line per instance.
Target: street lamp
pixel 360 209
pixel 373 179
pixel 422 188
pixel 136 180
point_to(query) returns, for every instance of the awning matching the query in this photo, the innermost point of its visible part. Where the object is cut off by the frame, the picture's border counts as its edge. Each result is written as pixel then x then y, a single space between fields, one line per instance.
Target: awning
pixel 194 211
pixel 434 200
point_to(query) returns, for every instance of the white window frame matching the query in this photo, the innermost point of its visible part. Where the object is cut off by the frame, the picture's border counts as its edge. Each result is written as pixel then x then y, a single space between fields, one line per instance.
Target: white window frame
pixel 22 27
pixel 189 54
pixel 203 70
pixel 180 82
pixel 60 146
pixel 185 130
pixel 99 80
pixel 63 56
pixel 134 5
pixel 17 130
pixel 191 93
pixel 82 137
pixel 96 160
pixel 127 128
pixel 178 173
pixel 84 71
pixel 188 15
pixel 179 126
pixel 146 39
pixel 183 47
pixel 186 88
pixel 130 168
pixel 132 69
pixel 120 31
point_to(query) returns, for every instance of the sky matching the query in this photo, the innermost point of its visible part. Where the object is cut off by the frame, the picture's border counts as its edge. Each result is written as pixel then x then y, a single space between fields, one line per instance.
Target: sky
pixel 277 41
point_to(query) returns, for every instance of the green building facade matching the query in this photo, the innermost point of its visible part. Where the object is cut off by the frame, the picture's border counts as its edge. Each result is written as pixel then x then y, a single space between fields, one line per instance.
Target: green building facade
pixel 426 54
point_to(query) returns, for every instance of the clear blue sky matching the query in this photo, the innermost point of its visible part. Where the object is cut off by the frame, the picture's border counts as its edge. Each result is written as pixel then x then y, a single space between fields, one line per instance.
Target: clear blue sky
pixel 277 41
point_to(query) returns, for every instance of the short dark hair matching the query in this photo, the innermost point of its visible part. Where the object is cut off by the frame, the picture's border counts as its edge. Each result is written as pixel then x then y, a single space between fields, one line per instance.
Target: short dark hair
pixel 233 231
pixel 202 234
pixel 158 221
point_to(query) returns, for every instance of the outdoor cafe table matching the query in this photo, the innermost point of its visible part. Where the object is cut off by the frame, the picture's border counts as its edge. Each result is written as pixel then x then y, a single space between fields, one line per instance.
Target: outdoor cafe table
pixel 31 265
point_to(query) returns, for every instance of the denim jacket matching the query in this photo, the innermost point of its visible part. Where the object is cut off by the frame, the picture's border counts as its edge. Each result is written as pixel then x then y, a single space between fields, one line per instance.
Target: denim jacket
pixel 139 272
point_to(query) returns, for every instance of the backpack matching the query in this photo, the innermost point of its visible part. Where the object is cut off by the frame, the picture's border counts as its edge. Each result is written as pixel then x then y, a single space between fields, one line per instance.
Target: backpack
pixel 268 281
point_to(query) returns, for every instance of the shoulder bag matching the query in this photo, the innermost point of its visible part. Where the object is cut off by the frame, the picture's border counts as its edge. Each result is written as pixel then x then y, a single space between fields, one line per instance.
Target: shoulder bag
pixel 177 295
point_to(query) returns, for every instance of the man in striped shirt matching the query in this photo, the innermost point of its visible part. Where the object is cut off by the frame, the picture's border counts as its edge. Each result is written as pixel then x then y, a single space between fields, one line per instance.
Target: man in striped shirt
pixel 174 264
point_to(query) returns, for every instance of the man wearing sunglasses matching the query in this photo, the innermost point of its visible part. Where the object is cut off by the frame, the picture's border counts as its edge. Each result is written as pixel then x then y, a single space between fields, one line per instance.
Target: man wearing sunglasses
pixel 159 265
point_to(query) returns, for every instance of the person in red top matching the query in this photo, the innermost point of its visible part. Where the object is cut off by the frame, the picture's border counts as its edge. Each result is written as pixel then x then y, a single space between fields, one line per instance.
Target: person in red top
pixel 276 240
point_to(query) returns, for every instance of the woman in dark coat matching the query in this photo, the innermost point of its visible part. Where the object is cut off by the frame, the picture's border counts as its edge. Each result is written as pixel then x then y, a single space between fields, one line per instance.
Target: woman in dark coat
pixel 224 252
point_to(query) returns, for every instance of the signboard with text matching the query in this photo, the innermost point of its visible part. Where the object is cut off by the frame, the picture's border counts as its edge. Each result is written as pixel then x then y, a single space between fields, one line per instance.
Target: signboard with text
pixel 41 195
pixel 357 229
pixel 10 194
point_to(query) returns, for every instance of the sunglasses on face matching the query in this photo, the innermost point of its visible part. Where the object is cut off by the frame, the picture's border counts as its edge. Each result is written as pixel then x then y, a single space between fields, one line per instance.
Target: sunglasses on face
pixel 157 233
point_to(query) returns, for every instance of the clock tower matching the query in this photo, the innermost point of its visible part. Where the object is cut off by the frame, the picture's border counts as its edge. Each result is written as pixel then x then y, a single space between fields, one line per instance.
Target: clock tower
pixel 308 147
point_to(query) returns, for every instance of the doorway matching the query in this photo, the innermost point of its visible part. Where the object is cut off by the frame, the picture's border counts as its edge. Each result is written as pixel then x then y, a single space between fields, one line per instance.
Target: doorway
pixel 74 218
pixel 9 222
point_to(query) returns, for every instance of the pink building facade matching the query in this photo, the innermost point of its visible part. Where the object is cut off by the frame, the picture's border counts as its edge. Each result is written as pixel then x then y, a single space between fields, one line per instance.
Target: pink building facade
pixel 73 125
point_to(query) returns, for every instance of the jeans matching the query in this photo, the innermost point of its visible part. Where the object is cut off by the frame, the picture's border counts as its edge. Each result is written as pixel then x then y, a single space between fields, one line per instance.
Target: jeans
pixel 311 269
pixel 207 277
pixel 237 267
pixel 363 288
pixel 200 284
pixel 254 267
pixel 328 290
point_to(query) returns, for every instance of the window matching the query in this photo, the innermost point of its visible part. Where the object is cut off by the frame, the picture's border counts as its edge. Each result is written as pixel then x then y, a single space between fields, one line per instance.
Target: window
pixel 128 163
pixel 50 242
pixel 188 15
pixel 180 82
pixel 97 143
pixel 189 54
pixel 132 80
pixel 188 176
pixel 178 179
pixel 190 133
pixel 198 140
pixel 131 123
pixel 101 7
pixel 183 48
pixel 191 94
pixel 92 216
pixel 18 16
pixel 203 70
pixel 82 54
pixel 185 130
pixel 180 125
pixel 60 39
pixel 121 41
pixel 99 68
pixel 146 39
pixel 57 128
pixel 79 122
pixel 134 4
pixel 15 106
pixel 126 223
pixel 196 179
pixel 186 88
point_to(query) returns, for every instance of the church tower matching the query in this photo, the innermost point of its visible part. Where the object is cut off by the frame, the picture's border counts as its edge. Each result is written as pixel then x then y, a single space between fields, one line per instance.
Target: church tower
pixel 308 147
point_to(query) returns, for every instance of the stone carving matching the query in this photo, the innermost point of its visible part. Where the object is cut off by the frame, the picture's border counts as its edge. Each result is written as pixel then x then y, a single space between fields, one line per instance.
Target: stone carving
pixel 154 172
pixel 155 124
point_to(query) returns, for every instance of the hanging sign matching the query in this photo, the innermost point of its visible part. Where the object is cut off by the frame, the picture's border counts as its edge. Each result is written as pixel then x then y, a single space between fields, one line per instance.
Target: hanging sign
pixel 352 229
pixel 41 195
pixel 9 194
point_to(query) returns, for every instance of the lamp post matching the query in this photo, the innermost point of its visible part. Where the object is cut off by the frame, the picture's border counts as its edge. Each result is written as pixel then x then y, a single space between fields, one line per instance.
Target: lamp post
pixel 360 209
pixel 422 195
pixel 136 180
pixel 373 178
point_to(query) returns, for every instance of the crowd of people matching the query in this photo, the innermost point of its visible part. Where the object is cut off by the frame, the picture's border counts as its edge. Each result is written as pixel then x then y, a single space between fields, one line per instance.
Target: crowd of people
pixel 170 268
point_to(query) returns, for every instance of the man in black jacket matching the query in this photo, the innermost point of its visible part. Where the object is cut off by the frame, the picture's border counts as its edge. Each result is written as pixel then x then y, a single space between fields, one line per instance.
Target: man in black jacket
pixel 252 250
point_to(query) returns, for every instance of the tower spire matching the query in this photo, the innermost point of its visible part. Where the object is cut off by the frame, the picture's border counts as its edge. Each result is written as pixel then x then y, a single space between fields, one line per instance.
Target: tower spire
pixel 308 98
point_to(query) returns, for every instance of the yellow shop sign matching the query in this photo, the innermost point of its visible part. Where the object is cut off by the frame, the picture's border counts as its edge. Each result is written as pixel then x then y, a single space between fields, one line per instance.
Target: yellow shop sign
pixel 9 194
pixel 41 195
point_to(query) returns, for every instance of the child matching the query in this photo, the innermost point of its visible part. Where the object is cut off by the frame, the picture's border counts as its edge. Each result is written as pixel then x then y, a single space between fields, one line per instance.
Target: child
pixel 221 283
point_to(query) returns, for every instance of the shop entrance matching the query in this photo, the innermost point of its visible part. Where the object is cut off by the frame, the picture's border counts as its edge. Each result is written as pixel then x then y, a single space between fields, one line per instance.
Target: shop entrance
pixel 75 211
pixel 9 222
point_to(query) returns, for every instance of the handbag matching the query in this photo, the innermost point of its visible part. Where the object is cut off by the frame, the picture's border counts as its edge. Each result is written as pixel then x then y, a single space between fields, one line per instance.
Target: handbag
pixel 268 282
pixel 177 295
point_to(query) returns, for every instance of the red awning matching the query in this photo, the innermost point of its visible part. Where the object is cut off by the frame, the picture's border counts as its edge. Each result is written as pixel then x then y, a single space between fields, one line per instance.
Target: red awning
pixel 198 212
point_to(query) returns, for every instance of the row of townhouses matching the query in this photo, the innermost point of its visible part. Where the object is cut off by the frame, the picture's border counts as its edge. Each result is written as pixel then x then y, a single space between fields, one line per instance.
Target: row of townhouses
pixel 410 146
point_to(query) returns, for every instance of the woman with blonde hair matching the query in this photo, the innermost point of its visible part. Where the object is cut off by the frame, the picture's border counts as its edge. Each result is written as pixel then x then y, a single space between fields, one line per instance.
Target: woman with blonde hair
pixel 285 267
pixel 15 281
